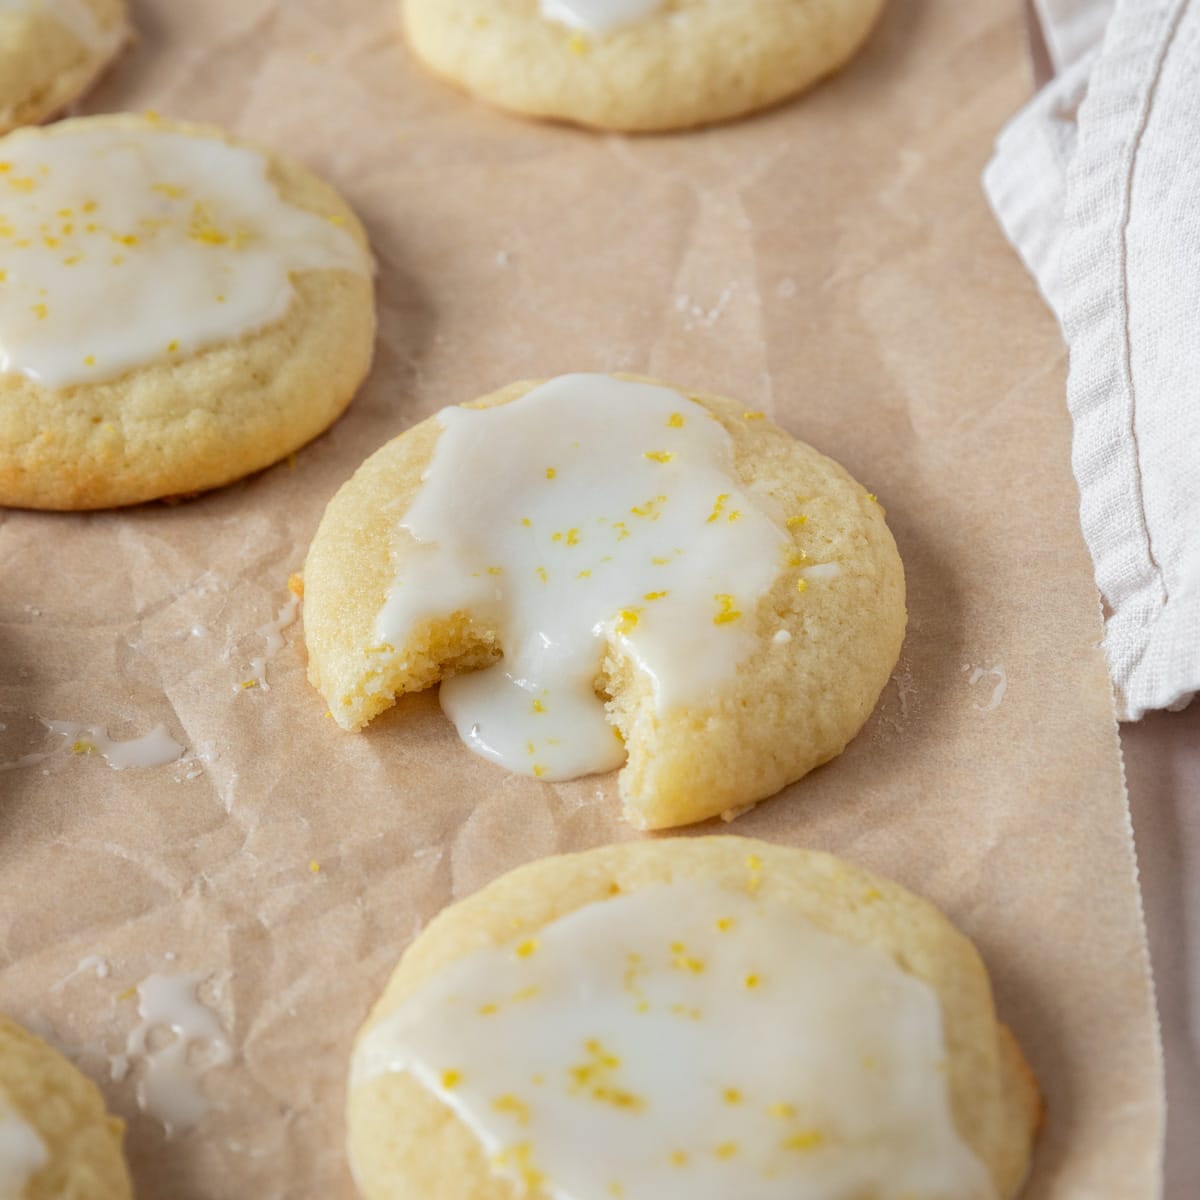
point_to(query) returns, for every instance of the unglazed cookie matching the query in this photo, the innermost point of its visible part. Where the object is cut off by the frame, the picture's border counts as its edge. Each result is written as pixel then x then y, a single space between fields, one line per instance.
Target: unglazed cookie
pixel 690 1020
pixel 177 309
pixel 51 52
pixel 636 65
pixel 603 568
pixel 57 1142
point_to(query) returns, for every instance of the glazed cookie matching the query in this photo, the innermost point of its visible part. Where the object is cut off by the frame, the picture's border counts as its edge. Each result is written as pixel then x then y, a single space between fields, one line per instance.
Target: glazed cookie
pixel 52 51
pixel 690 1020
pixel 56 1140
pixel 603 567
pixel 177 310
pixel 636 65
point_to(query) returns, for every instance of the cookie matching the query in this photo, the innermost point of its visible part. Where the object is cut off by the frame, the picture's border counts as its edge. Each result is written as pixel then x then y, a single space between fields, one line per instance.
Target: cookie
pixel 57 1142
pixel 52 51
pixel 690 1018
pixel 605 568
pixel 636 65
pixel 177 310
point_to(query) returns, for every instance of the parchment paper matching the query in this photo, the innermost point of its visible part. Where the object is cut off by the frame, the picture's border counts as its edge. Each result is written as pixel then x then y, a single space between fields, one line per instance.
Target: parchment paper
pixel 833 263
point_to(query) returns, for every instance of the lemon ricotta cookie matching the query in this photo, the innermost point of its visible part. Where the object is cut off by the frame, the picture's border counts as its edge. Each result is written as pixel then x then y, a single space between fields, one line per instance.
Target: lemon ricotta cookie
pixel 177 309
pixel 636 65
pixel 52 51
pixel 57 1142
pixel 607 570
pixel 692 1019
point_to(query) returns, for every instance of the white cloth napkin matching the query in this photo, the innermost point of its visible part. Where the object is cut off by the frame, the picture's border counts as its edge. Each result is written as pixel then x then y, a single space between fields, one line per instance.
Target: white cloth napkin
pixel 1097 184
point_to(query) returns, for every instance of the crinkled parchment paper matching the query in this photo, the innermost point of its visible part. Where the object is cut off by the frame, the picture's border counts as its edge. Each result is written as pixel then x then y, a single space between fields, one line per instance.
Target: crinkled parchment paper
pixel 832 263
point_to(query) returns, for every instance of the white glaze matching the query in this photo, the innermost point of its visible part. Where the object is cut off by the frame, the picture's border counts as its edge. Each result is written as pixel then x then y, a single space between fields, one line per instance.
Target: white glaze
pixel 76 16
pixel 272 633
pixel 686 1042
pixel 591 512
pixel 169 1087
pixel 154 749
pixel 125 247
pixel 22 1152
pixel 599 17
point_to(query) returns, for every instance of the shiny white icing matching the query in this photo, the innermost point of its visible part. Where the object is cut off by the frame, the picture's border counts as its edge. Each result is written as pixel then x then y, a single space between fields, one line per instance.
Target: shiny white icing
pixel 688 1042
pixel 591 512
pixel 154 749
pixel 599 17
pixel 22 1153
pixel 169 1086
pixel 76 16
pixel 124 247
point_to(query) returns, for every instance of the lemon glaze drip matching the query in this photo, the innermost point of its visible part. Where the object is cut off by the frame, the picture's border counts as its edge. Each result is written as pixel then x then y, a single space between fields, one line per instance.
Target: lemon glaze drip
pixel 689 1042
pixel 22 1153
pixel 598 17
pixel 591 512
pixel 124 247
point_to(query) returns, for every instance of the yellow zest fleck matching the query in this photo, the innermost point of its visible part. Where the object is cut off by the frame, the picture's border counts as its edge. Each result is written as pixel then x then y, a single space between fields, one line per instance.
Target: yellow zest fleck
pixel 170 190
pixel 649 509
pixel 808 1139
pixel 526 522
pixel 782 1110
pixel 754 863
pixel 24 184
pixel 731 1096
pixel 577 44
pixel 679 1158
pixel 584 575
pixel 90 361
pixel 725 610
pixel 736 515
pixel 451 1079
pixel 127 994
pixel 488 1010
pixel 872 894
pixel 5 167
pixel 659 562
pixel 73 261
pixel 40 311
pixel 329 713
pixel 654 595
pixel 51 243
pixel 172 347
pixel 495 570
pixel 595 1077
pixel 336 219
pixel 659 456
pixel 3 276
pixel 675 420
pixel 797 521
pixel 725 924
pixel 202 228
pixel 622 530
pixel 872 497
pixel 726 1150
pixel 541 574
pixel 296 584
pixel 616 1188
pixel 538 707
pixel 527 948
pixel 753 416
pixel 90 206
pixel 514 1106
pixel 718 509
pixel 82 747
pixel 521 1157
pixel 538 770
pixel 802 586
pixel 628 619
pixel 796 558
pixel 751 982
pixel 247 684
pixel 152 115
pixel 550 472
pixel 683 961
pixel 314 867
